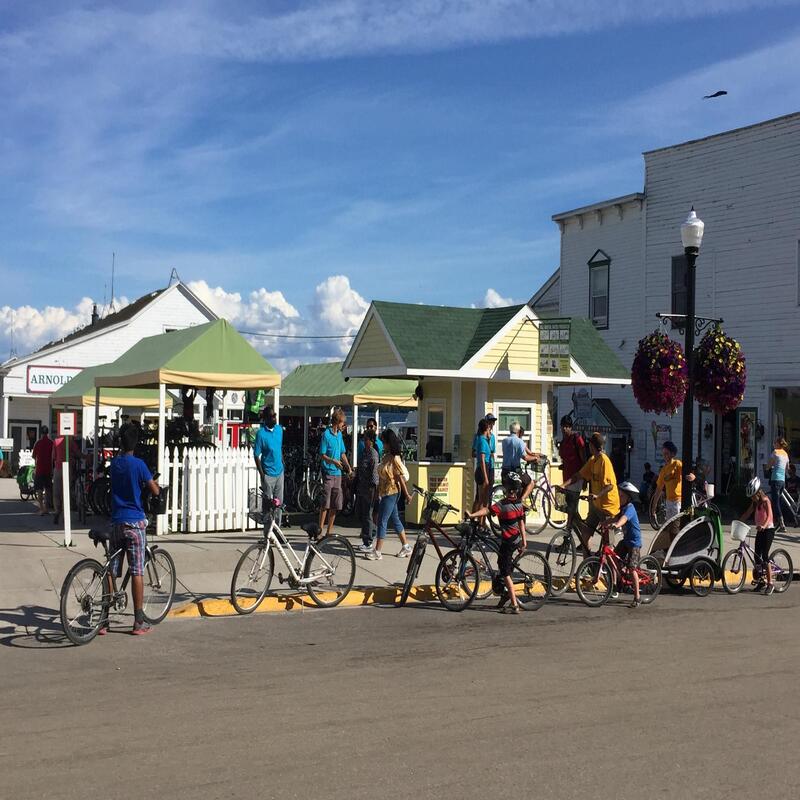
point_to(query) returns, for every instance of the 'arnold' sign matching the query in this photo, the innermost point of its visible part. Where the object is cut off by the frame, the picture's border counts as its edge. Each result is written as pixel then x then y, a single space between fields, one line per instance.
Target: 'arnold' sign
pixel 48 379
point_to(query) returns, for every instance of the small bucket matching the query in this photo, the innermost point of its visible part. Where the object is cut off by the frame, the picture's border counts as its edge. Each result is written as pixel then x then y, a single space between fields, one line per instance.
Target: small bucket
pixel 739 530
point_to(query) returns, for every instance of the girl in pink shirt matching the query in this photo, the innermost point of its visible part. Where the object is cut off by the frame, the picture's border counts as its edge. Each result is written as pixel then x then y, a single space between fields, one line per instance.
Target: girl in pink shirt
pixel 761 507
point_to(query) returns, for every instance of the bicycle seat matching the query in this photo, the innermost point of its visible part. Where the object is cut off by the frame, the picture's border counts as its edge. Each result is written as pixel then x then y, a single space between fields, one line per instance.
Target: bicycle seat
pixel 312 529
pixel 98 536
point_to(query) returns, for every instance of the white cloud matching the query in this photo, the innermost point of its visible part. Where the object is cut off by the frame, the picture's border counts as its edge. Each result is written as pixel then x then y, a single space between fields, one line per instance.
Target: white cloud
pixel 263 310
pixel 493 299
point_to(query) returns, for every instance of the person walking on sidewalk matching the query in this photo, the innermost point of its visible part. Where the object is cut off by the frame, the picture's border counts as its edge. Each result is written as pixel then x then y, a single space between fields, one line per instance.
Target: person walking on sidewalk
pixel 129 475
pixel 372 425
pixel 367 490
pixel 268 455
pixel 778 462
pixel 43 472
pixel 334 461
pixel 392 477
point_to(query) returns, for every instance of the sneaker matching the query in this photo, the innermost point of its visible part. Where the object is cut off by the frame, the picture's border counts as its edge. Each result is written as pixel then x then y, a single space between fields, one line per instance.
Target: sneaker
pixel 614 594
pixel 759 586
pixel 364 548
pixel 780 529
pixel 513 610
pixel 374 555
pixel 636 603
pixel 141 628
pixel 405 551
pixel 770 589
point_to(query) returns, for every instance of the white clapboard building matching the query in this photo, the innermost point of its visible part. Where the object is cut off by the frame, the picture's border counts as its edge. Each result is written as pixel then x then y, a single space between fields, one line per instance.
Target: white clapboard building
pixel 26 383
pixel 622 262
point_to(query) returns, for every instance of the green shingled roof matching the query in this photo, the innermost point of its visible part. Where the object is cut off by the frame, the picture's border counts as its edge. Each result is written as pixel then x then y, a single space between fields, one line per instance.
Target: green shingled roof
pixel 591 352
pixel 440 337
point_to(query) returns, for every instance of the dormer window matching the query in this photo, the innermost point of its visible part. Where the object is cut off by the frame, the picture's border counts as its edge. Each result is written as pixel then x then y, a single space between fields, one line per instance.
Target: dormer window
pixel 599 265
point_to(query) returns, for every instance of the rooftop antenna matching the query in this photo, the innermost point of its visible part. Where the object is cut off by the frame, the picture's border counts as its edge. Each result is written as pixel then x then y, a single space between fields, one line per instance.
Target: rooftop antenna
pixel 173 276
pixel 113 264
pixel 13 351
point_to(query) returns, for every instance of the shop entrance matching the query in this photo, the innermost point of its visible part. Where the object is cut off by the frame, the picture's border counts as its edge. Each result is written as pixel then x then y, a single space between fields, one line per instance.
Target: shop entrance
pixel 786 417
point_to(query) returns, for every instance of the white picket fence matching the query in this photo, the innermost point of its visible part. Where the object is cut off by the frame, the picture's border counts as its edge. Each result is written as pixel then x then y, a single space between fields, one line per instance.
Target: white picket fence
pixel 210 489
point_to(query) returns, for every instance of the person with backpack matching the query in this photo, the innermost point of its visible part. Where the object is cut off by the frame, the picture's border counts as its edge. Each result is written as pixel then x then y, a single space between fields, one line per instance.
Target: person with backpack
pixel 572 452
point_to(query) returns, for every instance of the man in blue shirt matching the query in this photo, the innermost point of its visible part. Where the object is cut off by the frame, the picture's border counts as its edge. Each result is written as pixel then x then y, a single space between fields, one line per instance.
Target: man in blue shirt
pixel 129 475
pixel 334 460
pixel 372 425
pixel 268 454
pixel 514 453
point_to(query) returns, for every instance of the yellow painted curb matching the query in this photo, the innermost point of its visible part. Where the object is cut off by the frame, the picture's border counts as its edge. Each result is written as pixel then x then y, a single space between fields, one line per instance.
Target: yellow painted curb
pixel 358 596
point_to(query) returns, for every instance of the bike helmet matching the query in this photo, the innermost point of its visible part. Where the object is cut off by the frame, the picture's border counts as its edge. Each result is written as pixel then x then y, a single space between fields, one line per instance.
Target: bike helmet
pixel 629 489
pixel 513 482
pixel 753 486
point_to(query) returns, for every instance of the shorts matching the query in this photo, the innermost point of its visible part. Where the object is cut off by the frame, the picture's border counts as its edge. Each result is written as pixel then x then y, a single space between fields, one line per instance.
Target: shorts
pixel 42 482
pixel 505 556
pixel 132 538
pixel 594 518
pixel 523 474
pixel 629 554
pixel 332 498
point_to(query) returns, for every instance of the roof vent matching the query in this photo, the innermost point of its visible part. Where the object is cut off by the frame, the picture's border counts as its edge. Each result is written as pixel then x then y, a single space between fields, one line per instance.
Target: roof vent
pixel 95 315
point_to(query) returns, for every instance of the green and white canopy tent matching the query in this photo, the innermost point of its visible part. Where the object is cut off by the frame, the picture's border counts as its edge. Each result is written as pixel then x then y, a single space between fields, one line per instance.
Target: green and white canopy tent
pixel 80 392
pixel 211 355
pixel 324 385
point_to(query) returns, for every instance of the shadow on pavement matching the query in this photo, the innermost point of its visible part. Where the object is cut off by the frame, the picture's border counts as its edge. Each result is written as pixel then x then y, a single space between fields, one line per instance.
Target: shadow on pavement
pixel 42 628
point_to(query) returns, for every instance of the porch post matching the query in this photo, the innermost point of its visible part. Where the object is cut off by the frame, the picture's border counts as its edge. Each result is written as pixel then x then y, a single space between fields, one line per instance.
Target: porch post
pixel 96 454
pixel 162 402
pixel 355 436
pixel 277 393
pixel 305 430
pixel 455 418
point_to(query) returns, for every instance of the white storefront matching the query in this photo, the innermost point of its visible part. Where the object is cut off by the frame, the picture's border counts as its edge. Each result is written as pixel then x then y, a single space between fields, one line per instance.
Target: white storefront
pixel 622 262
pixel 26 383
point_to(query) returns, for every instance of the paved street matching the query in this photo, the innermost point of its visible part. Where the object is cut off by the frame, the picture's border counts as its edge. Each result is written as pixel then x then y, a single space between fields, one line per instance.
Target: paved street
pixel 686 698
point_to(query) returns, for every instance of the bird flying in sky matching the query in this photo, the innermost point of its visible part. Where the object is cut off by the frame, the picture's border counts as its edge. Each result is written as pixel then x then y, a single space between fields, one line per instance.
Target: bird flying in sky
pixel 716 94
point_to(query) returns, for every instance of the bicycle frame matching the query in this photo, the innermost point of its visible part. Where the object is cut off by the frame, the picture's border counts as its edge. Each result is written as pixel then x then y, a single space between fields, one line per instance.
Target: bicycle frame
pixel 745 551
pixel 275 537
pixel 794 506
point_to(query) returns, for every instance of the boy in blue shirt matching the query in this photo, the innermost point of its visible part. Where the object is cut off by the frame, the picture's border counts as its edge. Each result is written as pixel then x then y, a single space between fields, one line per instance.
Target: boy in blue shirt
pixel 268 454
pixel 630 548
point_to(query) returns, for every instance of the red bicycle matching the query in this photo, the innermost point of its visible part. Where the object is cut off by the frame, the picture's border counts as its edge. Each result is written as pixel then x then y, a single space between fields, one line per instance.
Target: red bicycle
pixel 599 576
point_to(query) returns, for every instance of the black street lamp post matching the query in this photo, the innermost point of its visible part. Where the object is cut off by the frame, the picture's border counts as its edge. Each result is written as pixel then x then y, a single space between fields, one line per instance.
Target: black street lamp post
pixel 691 237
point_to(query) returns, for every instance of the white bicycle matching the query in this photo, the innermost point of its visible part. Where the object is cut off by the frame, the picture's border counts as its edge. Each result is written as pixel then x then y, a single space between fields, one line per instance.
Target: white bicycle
pixel 326 569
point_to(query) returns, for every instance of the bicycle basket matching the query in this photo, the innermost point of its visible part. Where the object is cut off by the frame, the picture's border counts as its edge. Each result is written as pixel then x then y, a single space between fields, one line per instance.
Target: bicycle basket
pixel 435 511
pixel 739 530
pixel 254 501
pixel 157 503
pixel 560 497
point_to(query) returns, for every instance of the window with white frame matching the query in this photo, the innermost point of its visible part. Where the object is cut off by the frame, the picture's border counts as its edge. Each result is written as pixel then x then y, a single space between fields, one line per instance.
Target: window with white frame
pixel 434 429
pixel 507 414
pixel 599 267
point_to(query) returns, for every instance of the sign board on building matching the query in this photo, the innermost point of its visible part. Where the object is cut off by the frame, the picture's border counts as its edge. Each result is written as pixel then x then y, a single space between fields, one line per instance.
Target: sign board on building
pixel 7 445
pixel 46 379
pixel 438 483
pixel 554 348
pixel 67 423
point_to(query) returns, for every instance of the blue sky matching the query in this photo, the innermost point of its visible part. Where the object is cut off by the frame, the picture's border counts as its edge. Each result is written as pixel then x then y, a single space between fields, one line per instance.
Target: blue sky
pixel 295 160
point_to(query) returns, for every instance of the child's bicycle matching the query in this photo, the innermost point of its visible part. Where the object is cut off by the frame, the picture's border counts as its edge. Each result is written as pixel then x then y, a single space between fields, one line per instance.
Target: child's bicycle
pixel 599 576
pixel 734 565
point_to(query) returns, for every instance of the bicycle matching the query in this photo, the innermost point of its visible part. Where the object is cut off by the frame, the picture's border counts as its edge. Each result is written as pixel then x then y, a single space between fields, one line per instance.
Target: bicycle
pixel 458 577
pixel 562 551
pixel 788 502
pixel 433 514
pixel 597 576
pixel 86 602
pixel 326 569
pixel 735 564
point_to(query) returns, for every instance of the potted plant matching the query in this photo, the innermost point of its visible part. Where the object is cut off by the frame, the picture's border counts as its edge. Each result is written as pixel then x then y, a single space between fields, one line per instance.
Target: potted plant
pixel 659 375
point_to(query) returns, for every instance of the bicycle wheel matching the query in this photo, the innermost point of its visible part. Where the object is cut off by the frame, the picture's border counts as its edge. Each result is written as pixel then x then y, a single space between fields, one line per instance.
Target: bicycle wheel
pixel 561 558
pixel 251 577
pixel 532 583
pixel 159 585
pixel 457 580
pixel 82 597
pixel 332 564
pixel 538 511
pixel 593 581
pixel 414 563
pixel 317 496
pixel 658 512
pixel 303 499
pixel 734 571
pixel 781 563
pixel 649 572
pixel 701 577
pixel 486 559
pixel 96 491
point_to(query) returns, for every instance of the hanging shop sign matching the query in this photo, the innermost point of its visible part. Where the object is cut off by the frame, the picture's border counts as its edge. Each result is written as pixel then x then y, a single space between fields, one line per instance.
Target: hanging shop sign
pixel 554 348
pixel 48 379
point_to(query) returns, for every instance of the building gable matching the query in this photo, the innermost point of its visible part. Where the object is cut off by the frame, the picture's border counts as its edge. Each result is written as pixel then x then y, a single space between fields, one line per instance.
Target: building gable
pixel 373 349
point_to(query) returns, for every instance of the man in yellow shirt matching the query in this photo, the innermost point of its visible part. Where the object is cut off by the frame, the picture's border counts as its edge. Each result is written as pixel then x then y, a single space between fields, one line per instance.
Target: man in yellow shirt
pixel 599 472
pixel 670 479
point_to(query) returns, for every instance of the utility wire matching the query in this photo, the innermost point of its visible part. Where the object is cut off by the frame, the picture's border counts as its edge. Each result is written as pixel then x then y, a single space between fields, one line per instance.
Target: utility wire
pixel 290 336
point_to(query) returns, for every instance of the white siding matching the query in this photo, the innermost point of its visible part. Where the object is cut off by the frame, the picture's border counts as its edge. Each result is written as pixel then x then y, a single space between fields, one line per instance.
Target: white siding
pixel 745 186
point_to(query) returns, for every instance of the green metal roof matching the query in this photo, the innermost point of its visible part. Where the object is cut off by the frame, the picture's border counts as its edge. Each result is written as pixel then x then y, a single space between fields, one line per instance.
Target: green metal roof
pixel 440 337
pixel 324 385
pixel 591 352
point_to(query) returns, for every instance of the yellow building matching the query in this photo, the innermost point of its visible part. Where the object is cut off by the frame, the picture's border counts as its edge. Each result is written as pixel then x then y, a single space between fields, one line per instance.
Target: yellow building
pixel 472 361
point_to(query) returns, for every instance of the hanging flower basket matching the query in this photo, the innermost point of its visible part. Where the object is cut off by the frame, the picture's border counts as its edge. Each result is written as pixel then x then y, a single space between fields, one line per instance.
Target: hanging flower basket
pixel 659 374
pixel 720 372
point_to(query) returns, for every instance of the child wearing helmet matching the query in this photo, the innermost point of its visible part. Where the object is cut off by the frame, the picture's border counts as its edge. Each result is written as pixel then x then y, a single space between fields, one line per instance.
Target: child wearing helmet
pixel 510 513
pixel 761 508
pixel 629 549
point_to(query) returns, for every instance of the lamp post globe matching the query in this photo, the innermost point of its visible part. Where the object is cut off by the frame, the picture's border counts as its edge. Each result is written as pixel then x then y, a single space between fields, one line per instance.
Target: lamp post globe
pixel 691 237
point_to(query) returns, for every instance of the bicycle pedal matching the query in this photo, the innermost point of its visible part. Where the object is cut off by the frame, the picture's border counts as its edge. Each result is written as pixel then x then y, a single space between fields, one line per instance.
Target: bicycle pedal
pixel 281 579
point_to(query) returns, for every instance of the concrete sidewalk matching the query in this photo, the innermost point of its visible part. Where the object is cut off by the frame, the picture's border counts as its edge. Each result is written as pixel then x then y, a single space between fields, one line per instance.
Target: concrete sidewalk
pixel 33 562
